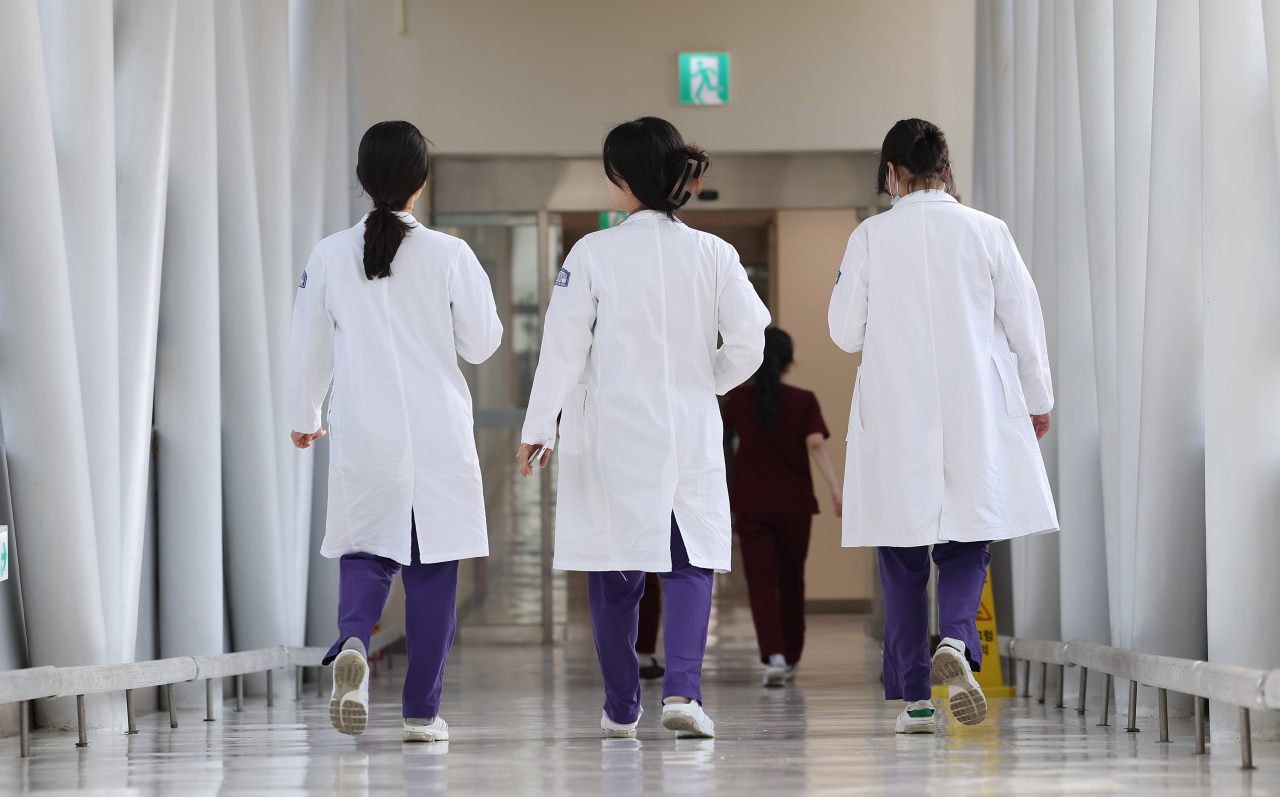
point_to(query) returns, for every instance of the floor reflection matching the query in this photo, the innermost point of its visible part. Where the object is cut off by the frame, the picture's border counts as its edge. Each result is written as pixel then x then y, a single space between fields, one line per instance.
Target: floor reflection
pixel 524 720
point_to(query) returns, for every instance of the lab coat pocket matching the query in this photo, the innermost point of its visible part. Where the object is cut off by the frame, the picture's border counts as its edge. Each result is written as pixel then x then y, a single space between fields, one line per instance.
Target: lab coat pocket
pixel 573 421
pixel 855 410
pixel 1014 403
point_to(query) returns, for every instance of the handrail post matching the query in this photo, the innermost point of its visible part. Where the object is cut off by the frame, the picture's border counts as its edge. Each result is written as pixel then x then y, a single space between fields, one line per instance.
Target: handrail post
pixel 1133 708
pixel 1164 715
pixel 1199 724
pixel 239 693
pixel 297 683
pixel 1044 679
pixel 1106 702
pixel 271 689
pixel 173 706
pixel 25 731
pixel 1246 741
pixel 1084 682
pixel 208 700
pixel 80 721
pixel 1062 686
pixel 1026 684
pixel 133 720
pixel 320 681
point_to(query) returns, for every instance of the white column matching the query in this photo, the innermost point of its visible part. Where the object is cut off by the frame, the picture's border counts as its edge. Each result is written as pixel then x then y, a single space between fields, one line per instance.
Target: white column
pixel 79 64
pixel 40 397
pixel 1169 577
pixel 1036 573
pixel 251 499
pixel 144 100
pixel 311 40
pixel 266 32
pixel 1241 346
pixel 1135 42
pixel 1026 33
pixel 1095 51
pixel 357 202
pixel 1002 110
pixel 1081 545
pixel 188 408
pixel 984 158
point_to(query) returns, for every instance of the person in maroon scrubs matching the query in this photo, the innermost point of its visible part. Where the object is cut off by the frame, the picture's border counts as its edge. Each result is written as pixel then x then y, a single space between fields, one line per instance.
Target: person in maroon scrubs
pixel 779 429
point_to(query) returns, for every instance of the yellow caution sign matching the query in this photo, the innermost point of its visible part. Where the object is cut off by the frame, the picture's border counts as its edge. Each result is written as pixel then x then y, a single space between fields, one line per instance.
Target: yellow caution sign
pixel 990 679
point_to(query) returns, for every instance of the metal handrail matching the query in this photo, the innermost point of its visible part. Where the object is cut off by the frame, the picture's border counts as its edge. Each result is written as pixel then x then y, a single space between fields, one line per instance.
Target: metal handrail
pixel 33 683
pixel 1248 689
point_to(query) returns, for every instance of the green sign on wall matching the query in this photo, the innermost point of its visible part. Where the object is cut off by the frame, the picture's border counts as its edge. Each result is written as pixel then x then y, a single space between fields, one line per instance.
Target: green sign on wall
pixel 704 78
pixel 612 218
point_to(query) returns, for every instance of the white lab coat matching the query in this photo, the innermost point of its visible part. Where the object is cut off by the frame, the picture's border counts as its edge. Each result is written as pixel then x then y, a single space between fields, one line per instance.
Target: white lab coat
pixel 400 420
pixel 629 354
pixel 940 443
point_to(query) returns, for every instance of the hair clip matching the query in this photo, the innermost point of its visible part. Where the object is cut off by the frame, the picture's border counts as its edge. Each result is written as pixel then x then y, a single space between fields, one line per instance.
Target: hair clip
pixel 693 169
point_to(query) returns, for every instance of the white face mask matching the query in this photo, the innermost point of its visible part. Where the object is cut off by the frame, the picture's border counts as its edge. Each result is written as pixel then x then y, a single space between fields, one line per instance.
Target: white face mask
pixel 893 194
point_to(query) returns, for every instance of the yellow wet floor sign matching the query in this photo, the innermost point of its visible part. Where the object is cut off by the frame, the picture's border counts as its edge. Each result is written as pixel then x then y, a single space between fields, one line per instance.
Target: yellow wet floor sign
pixel 990 679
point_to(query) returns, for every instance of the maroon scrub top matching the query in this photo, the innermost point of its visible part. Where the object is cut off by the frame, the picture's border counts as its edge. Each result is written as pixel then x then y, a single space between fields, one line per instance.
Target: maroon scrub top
pixel 771 470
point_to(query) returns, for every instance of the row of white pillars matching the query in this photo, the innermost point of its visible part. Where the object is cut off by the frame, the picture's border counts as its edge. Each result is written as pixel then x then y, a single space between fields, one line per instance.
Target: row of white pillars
pixel 40 395
pixel 1153 239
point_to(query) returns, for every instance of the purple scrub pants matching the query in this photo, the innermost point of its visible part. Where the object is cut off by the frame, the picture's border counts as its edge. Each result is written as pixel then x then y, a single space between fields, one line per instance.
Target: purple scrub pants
pixel 614 597
pixel 430 592
pixel 904 574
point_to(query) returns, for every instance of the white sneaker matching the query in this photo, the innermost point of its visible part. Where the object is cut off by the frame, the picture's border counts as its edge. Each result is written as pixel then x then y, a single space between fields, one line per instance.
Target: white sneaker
pixel 916 718
pixel 349 705
pixel 435 731
pixel 775 671
pixel 791 671
pixel 968 704
pixel 616 730
pixel 688 720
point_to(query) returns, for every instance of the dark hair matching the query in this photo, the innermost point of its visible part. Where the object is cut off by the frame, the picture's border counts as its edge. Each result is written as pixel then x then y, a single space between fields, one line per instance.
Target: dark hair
pixel 921 148
pixel 778 356
pixel 652 158
pixel 392 165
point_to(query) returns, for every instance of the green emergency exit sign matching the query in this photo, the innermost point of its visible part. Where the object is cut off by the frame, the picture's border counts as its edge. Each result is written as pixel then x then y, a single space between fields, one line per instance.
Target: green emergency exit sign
pixel 704 78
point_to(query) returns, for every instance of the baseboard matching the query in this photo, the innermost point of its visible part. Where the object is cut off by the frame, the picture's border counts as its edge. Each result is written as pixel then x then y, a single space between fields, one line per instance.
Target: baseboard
pixel 838 606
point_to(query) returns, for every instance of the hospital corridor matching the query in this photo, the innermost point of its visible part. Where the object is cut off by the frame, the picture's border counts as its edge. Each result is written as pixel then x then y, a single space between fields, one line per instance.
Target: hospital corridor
pixel 687 397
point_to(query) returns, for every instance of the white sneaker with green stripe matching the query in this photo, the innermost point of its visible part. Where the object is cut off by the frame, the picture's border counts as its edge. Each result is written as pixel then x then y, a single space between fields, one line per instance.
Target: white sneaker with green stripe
pixel 917 718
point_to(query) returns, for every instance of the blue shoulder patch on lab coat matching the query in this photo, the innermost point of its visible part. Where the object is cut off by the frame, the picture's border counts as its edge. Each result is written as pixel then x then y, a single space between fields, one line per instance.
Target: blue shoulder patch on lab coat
pixel 303 284
pixel 838 273
pixel 562 281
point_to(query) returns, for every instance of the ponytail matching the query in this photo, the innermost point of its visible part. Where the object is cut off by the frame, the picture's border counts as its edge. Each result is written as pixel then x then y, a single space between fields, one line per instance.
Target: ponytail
pixel 778 356
pixel 392 166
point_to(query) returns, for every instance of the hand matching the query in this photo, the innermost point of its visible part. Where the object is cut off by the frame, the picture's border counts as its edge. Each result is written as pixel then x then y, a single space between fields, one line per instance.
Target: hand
pixel 837 500
pixel 1041 424
pixel 523 455
pixel 305 440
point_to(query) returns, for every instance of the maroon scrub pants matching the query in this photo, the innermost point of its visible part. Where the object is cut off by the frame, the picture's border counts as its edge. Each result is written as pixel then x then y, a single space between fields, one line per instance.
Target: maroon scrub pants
pixel 774 548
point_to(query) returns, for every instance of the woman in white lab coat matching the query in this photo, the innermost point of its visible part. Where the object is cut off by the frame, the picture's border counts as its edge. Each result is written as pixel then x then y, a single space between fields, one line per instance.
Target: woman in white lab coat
pixel 629 371
pixel 951 396
pixel 383 312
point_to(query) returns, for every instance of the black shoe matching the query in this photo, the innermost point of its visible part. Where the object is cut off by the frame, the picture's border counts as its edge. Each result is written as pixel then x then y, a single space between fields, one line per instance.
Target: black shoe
pixel 652 670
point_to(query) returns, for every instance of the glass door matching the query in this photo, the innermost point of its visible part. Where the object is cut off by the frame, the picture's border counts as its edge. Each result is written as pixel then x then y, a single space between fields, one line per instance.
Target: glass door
pixel 511 596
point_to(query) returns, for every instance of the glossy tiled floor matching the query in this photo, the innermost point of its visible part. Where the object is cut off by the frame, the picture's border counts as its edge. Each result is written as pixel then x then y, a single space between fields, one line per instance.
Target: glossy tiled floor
pixel 524 721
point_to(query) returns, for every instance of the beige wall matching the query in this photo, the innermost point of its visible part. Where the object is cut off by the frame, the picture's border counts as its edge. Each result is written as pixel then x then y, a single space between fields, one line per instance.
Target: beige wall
pixel 551 76
pixel 811 244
